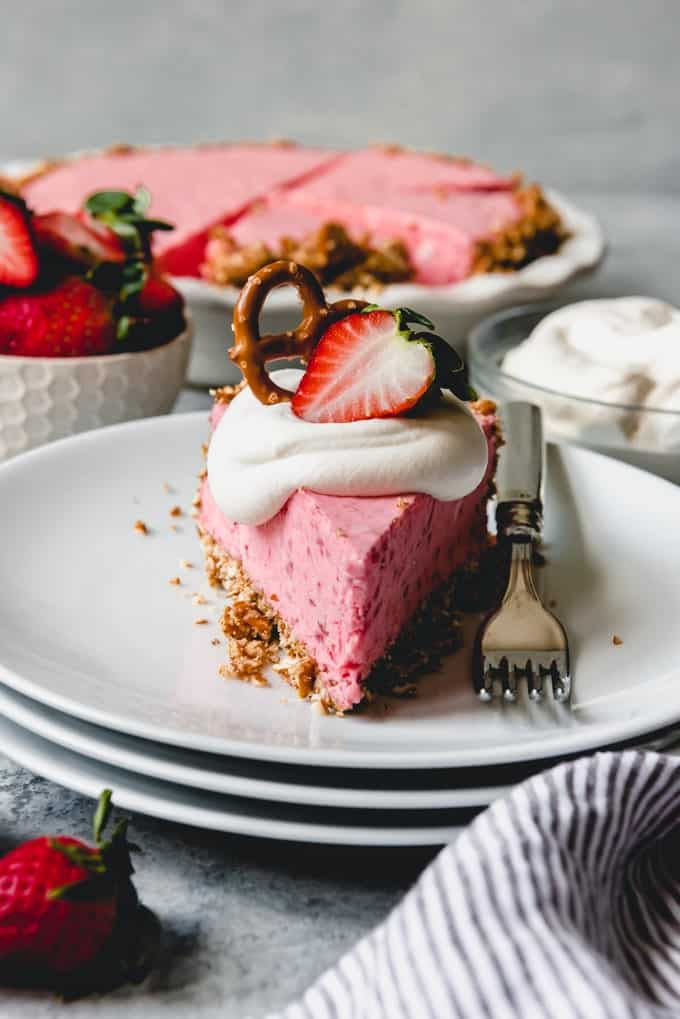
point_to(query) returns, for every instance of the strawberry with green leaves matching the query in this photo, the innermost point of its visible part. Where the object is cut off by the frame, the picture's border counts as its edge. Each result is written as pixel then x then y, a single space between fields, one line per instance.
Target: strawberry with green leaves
pixel 371 364
pixel 78 285
pixel 68 911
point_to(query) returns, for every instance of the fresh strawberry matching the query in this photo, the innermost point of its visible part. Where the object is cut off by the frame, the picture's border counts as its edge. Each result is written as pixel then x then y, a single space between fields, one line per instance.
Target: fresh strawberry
pixel 153 315
pixel 72 237
pixel 159 297
pixel 73 319
pixel 18 259
pixel 371 365
pixel 61 900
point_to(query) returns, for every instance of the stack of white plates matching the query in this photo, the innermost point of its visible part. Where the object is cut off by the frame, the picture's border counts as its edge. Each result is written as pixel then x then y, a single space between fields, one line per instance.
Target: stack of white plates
pixel 109 679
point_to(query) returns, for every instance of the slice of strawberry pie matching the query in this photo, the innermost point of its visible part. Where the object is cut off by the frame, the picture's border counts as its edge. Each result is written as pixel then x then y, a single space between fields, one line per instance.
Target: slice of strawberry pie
pixel 341 505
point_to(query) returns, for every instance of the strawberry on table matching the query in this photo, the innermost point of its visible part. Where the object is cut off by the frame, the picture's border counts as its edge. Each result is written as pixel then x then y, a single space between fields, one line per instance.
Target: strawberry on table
pixel 372 365
pixel 72 319
pixel 69 914
pixel 18 258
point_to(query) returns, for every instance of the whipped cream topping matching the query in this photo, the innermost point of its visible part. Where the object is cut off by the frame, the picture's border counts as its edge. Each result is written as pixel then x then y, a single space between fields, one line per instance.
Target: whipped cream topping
pixel 623 351
pixel 260 455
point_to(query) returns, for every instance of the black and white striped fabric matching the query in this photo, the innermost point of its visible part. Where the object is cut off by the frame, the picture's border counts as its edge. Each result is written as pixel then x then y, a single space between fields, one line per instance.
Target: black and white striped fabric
pixel 561 900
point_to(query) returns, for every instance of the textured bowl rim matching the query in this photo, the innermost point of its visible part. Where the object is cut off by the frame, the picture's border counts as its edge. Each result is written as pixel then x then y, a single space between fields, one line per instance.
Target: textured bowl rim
pixel 129 355
pixel 486 328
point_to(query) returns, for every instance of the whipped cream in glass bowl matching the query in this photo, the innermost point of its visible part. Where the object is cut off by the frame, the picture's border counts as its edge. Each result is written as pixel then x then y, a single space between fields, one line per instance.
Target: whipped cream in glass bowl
pixel 606 373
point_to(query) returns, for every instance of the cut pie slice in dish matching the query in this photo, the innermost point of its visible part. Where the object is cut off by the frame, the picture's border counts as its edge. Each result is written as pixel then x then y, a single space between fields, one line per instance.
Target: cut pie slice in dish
pixel 359 592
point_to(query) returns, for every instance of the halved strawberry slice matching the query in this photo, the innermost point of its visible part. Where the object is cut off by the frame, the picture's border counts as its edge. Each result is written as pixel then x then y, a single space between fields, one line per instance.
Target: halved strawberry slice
pixel 18 259
pixel 364 366
pixel 87 243
pixel 371 365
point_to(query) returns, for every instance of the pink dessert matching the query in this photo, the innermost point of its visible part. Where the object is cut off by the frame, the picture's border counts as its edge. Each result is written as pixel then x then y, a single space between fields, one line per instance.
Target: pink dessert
pixel 194 188
pixel 454 217
pixel 345 575
pixel 342 503
pixel 381 173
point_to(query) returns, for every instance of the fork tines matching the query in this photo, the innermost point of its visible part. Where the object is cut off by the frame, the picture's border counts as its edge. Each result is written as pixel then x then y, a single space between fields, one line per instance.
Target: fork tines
pixel 501 670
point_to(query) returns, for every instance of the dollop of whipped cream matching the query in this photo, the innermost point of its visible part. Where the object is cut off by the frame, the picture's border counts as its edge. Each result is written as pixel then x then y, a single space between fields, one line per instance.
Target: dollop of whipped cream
pixel 623 351
pixel 260 455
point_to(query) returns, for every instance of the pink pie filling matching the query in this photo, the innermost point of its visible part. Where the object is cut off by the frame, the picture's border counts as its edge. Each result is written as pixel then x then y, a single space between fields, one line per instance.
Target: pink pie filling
pixel 193 188
pixel 346 574
pixel 378 174
pixel 437 206
pixel 440 232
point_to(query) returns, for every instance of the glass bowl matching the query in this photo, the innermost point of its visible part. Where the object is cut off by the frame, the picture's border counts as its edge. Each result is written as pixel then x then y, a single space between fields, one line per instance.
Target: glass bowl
pixel 645 437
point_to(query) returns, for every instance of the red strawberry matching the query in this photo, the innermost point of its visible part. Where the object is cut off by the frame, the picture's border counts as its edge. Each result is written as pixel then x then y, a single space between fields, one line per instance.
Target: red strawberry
pixel 153 315
pixel 159 297
pixel 85 242
pixel 370 365
pixel 60 900
pixel 73 319
pixel 18 259
pixel 35 926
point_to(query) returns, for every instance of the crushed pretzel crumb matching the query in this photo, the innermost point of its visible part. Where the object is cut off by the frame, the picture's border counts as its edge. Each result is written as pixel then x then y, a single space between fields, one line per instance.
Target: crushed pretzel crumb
pixel 140 527
pixel 215 641
pixel 329 251
pixel 176 511
pixel 198 599
pixel 186 565
pixel 483 407
pixel 616 640
pixel 201 622
pixel 175 581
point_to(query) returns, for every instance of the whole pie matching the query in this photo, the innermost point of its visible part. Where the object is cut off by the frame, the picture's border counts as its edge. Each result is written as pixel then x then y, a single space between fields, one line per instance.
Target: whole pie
pixel 356 218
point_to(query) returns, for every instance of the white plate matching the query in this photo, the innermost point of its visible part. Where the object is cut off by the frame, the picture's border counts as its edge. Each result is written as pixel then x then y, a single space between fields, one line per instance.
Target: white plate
pixel 225 813
pixel 240 776
pixel 90 625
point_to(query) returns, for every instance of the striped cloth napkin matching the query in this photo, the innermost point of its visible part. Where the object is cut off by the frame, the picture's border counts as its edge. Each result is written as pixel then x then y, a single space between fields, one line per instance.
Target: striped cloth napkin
pixel 561 900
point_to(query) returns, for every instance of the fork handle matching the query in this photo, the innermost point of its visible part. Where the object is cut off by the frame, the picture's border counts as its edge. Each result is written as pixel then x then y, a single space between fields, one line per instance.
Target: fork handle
pixel 519 510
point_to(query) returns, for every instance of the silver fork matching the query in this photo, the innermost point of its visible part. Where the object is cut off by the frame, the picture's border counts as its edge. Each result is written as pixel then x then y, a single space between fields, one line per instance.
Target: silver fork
pixel 522 638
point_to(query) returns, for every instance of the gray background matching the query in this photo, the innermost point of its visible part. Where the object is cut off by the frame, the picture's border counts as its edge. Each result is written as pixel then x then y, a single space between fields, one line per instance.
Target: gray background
pixel 583 95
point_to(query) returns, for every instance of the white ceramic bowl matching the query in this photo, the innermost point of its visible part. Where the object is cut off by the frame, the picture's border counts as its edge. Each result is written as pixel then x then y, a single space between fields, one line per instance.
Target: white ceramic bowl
pixel 46 398
pixel 454 309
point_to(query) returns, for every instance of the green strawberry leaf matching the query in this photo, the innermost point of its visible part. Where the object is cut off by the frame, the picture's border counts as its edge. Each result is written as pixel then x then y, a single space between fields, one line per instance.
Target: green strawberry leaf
pixel 141 201
pixel 102 203
pixel 408 315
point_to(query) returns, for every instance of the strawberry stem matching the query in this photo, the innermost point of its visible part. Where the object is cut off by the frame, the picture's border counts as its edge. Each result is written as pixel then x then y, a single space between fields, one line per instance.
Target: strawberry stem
pixel 101 815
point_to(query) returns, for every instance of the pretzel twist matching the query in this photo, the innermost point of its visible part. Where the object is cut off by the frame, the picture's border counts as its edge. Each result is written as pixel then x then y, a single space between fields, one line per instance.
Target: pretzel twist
pixel 252 352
